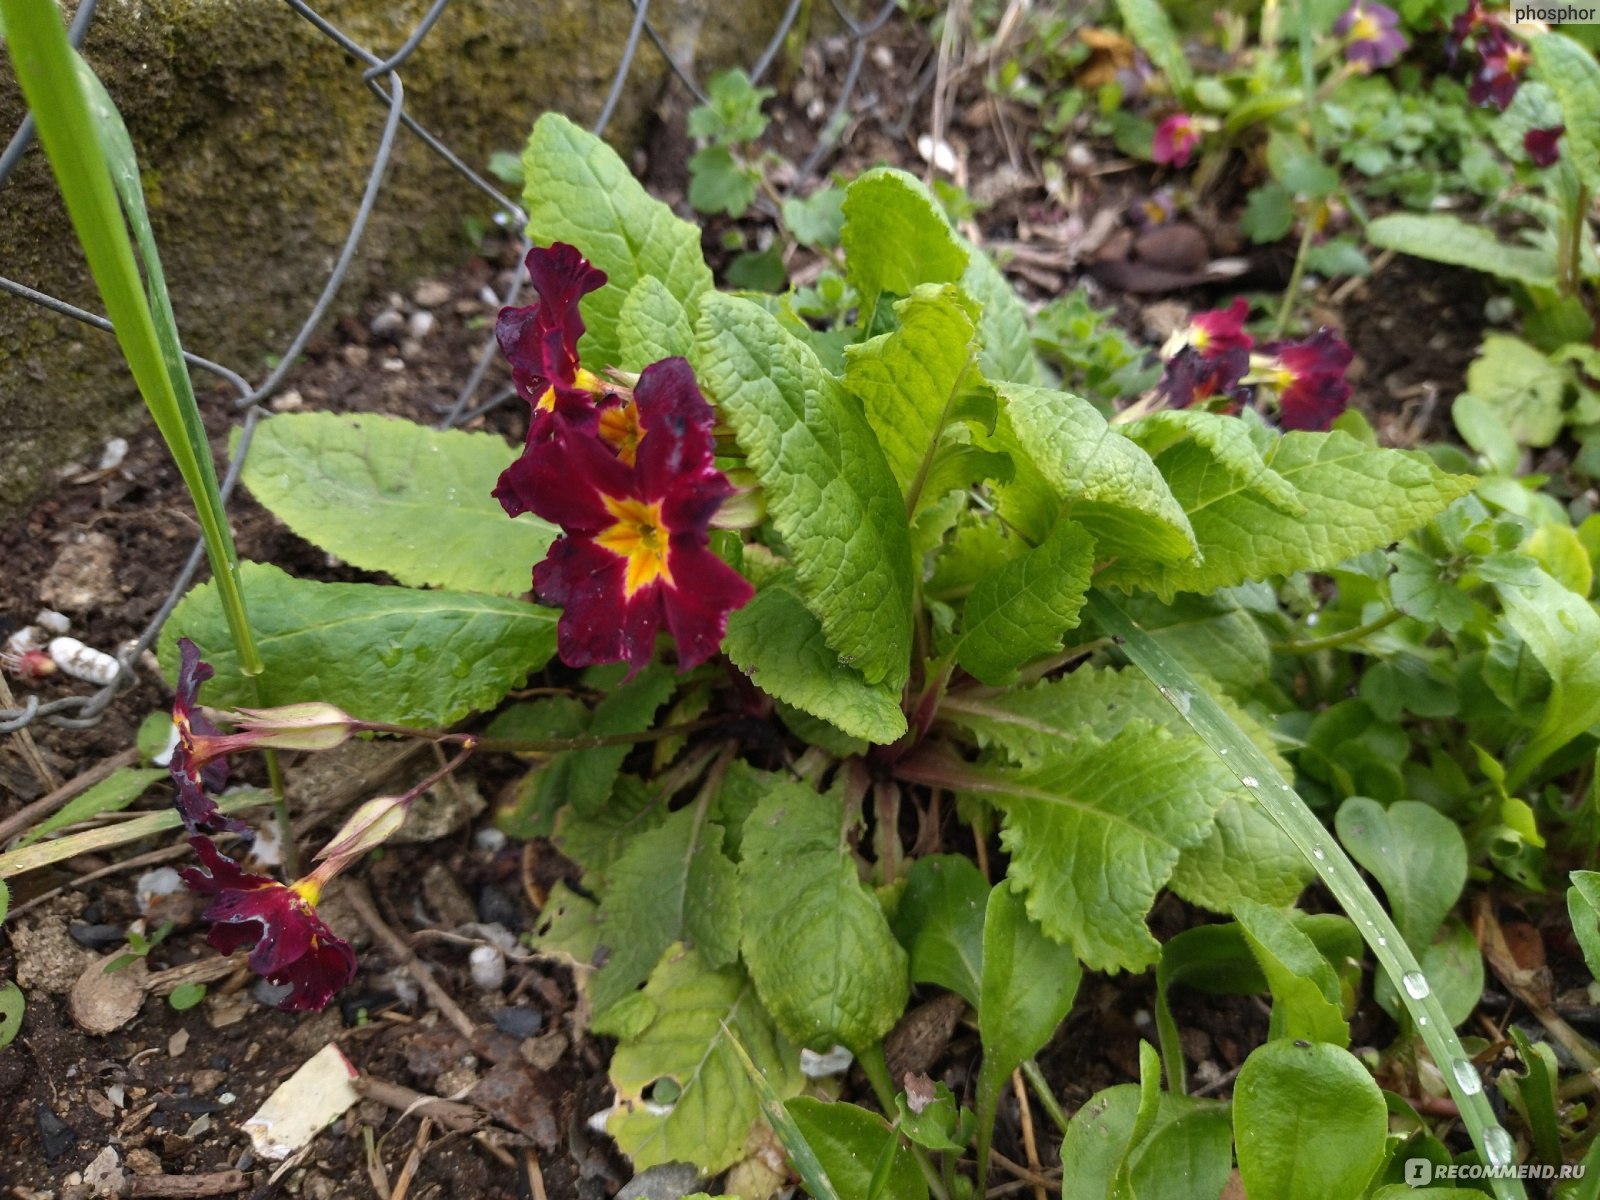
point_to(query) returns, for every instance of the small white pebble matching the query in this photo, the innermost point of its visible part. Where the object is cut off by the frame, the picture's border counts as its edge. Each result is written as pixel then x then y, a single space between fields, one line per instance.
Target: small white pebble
pixel 938 152
pixel 111 457
pixel 488 967
pixel 83 662
pixel 163 881
pixel 53 621
pixel 421 324
pixel 287 402
pixel 488 295
pixel 819 1066
pixel 489 839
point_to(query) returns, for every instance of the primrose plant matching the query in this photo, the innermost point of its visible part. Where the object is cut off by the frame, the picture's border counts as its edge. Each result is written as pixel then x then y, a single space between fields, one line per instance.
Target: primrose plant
pixel 907 586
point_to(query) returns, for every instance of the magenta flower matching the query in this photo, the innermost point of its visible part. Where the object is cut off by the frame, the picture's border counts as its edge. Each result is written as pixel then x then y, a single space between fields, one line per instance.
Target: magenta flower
pixel 1215 333
pixel 635 547
pixel 1306 377
pixel 540 341
pixel 290 943
pixel 1371 33
pixel 1542 145
pixel 1175 140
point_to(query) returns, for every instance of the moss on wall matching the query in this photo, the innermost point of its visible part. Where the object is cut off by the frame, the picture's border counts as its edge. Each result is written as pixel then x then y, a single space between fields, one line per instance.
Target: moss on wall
pixel 256 134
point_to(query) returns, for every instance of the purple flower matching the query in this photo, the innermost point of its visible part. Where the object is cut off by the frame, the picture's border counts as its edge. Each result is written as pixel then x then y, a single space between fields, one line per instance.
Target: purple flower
pixel 1307 377
pixel 1542 146
pixel 1371 33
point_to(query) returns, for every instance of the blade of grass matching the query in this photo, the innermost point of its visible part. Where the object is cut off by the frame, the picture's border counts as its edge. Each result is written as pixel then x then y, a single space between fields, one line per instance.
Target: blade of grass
pixel 801 1154
pixel 88 150
pixel 94 163
pixel 1280 801
pixel 31 858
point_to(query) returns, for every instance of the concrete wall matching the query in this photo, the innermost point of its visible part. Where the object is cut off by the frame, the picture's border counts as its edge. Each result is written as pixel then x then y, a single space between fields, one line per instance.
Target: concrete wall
pixel 256 133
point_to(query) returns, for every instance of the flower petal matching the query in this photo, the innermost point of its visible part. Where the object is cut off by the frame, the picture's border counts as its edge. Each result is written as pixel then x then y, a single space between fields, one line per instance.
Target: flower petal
pixel 697 608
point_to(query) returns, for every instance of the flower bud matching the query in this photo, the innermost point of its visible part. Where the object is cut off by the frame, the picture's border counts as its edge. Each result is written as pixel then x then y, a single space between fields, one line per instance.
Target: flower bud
pixel 372 824
pixel 310 726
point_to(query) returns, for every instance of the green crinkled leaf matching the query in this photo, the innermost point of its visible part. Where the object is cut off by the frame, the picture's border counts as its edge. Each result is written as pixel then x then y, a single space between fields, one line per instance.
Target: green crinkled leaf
pixel 1231 447
pixel 1084 469
pixel 830 491
pixel 672 883
pixel 596 840
pixel 896 237
pixel 380 653
pixel 652 325
pixel 850 1143
pixel 1305 990
pixel 1521 386
pixel 391 495
pixel 1356 499
pixel 1308 1122
pixel 687 1013
pixel 1096 830
pixel 1244 854
pixel 815 941
pixel 1446 239
pixel 779 644
pixel 1211 635
pixel 939 921
pixel 1151 28
pixel 1562 630
pixel 1006 326
pixel 1415 852
pixel 112 794
pixel 909 381
pixel 577 190
pixel 1020 612
pixel 1572 73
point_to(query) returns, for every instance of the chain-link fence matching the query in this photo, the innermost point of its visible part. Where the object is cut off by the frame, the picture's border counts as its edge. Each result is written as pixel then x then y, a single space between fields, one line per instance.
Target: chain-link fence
pixel 382 76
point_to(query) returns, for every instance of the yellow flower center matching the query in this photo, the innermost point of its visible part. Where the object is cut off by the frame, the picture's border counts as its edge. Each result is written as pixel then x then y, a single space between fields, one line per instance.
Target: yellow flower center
pixel 619 427
pixel 583 380
pixel 308 889
pixel 639 537
pixel 1365 28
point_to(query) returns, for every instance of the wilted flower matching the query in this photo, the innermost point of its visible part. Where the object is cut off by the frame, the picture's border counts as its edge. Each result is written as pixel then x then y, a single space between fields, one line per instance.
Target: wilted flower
pixel 1307 377
pixel 1193 377
pixel 200 760
pixel 1371 33
pixel 290 943
pixel 540 341
pixel 1542 145
pixel 1175 140
pixel 635 551
pixel 198 763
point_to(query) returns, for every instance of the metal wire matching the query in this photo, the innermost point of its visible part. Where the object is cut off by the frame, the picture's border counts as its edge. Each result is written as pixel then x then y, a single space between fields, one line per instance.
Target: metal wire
pixel 382 78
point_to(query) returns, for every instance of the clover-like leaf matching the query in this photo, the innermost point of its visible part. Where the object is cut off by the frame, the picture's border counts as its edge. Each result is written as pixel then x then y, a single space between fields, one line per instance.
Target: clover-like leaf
pixel 1308 1121
pixel 1415 852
